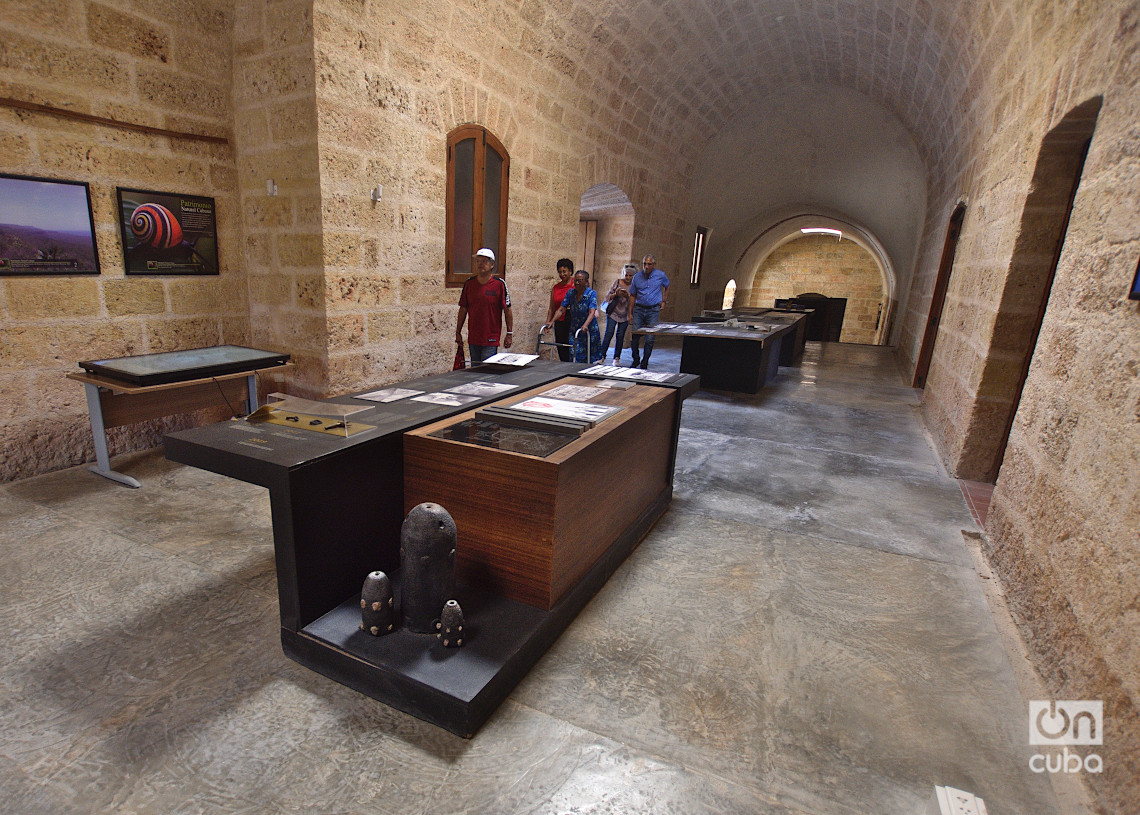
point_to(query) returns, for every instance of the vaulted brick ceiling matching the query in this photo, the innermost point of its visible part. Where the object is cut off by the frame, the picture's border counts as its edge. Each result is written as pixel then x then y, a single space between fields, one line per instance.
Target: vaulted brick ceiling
pixel 703 62
pixel 714 74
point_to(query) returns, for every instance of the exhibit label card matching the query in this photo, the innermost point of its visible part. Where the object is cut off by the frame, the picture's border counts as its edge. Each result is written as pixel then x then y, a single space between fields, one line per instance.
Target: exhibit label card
pixel 575 393
pixel 515 360
pixel 450 399
pixel 482 388
pixel 570 410
pixel 388 394
pixel 618 372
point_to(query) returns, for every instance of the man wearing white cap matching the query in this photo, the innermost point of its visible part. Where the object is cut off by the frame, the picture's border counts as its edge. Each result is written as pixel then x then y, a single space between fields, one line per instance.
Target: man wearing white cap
pixel 486 300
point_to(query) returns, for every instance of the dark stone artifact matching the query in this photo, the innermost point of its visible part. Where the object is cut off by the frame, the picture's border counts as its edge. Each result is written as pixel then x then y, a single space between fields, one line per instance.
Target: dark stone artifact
pixel 427 566
pixel 449 626
pixel 377 613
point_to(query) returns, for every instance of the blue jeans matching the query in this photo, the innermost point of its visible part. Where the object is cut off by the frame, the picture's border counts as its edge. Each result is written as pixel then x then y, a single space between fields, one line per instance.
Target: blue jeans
pixel 479 353
pixel 643 317
pixel 611 324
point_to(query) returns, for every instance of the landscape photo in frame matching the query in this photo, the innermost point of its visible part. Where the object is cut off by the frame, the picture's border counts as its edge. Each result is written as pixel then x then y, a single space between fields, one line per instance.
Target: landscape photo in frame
pixel 46 227
pixel 167 233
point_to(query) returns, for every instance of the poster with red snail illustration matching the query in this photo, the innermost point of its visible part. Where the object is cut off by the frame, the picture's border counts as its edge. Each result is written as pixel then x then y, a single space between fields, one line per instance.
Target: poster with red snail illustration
pixel 167 233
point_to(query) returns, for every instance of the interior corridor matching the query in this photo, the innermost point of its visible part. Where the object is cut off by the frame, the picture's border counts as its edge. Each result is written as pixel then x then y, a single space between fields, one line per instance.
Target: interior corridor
pixel 804 631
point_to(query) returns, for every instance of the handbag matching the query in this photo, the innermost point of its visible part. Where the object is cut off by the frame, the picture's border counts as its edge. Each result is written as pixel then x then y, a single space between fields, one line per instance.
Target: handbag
pixel 460 361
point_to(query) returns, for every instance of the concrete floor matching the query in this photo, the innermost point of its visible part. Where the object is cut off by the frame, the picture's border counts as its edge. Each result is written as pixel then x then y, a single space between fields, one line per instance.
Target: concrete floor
pixel 802 632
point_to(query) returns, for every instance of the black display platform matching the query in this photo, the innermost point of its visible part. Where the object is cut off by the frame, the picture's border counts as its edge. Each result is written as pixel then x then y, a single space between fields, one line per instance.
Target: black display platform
pixel 729 364
pixel 455 688
pixel 337 508
pixel 740 358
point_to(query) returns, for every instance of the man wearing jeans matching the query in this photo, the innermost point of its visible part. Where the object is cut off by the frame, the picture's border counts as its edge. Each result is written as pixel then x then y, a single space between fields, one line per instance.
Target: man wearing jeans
pixel 647 295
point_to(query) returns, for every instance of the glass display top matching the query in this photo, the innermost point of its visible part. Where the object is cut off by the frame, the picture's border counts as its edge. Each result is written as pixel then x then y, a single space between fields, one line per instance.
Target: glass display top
pixel 176 366
pixel 529 441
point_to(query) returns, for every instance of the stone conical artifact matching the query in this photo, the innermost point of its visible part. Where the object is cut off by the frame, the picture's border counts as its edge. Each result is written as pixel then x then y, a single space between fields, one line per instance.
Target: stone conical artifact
pixel 427 566
pixel 377 612
pixel 450 627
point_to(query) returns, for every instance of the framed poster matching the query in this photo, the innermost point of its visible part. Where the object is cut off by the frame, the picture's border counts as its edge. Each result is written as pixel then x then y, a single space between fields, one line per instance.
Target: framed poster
pixel 167 233
pixel 1135 293
pixel 46 227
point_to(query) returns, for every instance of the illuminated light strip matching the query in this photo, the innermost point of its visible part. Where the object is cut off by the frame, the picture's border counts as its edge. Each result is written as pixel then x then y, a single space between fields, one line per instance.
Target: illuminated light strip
pixel 821 230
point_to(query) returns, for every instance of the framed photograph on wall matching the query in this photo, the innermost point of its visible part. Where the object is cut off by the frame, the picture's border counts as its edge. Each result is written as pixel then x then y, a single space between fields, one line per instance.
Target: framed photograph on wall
pixel 166 233
pixel 46 227
pixel 1135 293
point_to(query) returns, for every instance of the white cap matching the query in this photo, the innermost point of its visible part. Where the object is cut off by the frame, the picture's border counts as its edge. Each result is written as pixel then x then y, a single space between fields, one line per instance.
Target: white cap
pixel 485 253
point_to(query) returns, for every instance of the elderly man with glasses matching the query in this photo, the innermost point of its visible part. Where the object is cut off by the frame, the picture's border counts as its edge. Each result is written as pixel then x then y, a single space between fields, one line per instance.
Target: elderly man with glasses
pixel 647 294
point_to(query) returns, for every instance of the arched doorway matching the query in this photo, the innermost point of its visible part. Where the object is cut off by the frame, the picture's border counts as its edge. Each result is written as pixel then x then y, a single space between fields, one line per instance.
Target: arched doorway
pixel 605 228
pixel 749 265
pixel 1025 297
pixel 843 272
pixel 1044 222
pixel 938 298
pixel 729 294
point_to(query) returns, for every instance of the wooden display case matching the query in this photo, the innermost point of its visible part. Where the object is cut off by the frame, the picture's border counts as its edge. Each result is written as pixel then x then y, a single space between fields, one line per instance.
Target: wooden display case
pixel 531 526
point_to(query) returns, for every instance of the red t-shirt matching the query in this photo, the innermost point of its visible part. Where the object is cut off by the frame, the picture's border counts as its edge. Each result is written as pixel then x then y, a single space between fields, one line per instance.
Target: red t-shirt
pixel 558 294
pixel 484 303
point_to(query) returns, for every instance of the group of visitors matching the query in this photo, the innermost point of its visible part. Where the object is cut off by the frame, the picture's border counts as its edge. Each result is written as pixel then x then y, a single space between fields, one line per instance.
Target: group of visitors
pixel 635 299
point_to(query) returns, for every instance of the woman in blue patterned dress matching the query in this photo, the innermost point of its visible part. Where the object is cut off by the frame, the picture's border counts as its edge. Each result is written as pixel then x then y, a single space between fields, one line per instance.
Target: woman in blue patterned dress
pixel 581 303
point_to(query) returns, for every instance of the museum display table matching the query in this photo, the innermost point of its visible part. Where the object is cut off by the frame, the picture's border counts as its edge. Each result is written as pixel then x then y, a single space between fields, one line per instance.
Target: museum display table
pixel 741 357
pixel 139 388
pixel 791 350
pixel 337 505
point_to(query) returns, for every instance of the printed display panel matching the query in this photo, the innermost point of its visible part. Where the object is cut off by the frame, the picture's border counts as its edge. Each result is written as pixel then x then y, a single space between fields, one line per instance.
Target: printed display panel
pixel 167 233
pixel 46 227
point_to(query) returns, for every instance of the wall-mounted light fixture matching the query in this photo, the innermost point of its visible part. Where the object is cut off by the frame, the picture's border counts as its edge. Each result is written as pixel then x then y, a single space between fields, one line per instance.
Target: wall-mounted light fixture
pixel 821 230
pixel 270 187
pixel 377 192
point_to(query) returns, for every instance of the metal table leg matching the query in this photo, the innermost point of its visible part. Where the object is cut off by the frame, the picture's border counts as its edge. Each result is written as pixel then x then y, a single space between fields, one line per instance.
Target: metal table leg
pixel 103 461
pixel 251 388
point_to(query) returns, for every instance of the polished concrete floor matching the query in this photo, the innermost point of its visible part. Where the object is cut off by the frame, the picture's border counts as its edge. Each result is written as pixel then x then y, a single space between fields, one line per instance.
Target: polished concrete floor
pixel 802 632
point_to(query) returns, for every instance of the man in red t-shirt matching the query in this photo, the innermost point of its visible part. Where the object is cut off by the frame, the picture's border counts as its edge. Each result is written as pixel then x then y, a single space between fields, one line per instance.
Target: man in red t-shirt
pixel 485 298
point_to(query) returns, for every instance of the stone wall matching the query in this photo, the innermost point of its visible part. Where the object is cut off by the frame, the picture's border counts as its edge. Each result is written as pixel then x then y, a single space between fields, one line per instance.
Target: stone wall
pixel 275 133
pixel 385 104
pixel 1062 531
pixel 817 263
pixel 136 66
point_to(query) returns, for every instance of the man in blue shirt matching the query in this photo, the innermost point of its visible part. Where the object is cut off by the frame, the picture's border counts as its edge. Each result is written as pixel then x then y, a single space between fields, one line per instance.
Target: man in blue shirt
pixel 647 295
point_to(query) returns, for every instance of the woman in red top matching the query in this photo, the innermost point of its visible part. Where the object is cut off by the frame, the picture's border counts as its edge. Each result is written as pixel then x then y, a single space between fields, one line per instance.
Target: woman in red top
pixel 565 283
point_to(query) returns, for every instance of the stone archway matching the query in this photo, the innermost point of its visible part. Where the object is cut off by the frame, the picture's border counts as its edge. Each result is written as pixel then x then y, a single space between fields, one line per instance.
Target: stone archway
pixel 606 223
pixel 865 275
